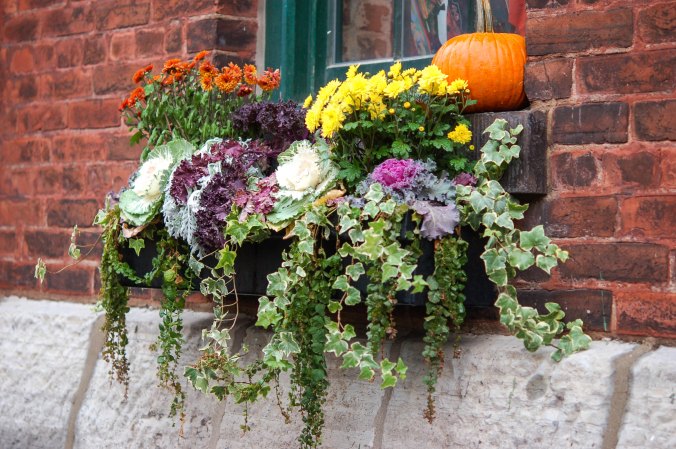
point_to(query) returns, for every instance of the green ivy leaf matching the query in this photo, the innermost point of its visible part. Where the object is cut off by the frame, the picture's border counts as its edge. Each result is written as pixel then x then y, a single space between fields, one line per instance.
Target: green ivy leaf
pixel 355 270
pixel 520 259
pixel 534 238
pixel 40 270
pixel 353 296
pixel 137 245
pixel 546 263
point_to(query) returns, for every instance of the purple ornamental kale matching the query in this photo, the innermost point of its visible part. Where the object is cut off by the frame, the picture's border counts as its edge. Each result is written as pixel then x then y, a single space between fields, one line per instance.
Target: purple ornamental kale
pixel 465 179
pixel 278 124
pixel 397 174
pixel 260 201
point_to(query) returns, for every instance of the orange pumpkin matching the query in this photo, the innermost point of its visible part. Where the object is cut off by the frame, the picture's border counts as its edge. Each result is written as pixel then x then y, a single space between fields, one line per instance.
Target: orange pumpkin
pixel 492 64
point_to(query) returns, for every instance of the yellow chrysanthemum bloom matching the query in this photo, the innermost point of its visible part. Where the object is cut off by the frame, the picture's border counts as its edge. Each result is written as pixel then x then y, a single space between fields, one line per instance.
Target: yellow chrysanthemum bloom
pixel 394 88
pixel 461 134
pixel 325 93
pixel 352 71
pixel 377 84
pixel 332 119
pixel 431 80
pixel 307 102
pixel 312 120
pixel 458 85
pixel 395 70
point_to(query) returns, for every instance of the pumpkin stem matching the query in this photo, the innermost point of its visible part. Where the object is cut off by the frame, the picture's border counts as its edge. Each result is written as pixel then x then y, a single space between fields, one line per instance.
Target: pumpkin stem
pixel 484 16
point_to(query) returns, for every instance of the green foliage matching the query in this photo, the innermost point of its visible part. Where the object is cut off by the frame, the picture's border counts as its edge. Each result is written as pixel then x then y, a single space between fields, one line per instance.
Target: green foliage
pixel 509 250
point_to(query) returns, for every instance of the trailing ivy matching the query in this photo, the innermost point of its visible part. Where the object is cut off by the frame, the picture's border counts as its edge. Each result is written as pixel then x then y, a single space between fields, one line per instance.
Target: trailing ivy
pixel 509 250
pixel 113 297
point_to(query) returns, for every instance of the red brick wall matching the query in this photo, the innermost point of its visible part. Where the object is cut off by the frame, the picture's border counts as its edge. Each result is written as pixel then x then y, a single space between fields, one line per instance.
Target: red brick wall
pixel 602 70
pixel 605 73
pixel 66 66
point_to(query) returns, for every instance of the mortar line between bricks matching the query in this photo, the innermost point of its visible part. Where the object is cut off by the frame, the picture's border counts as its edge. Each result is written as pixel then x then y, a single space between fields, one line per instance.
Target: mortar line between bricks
pixel 237 342
pixel 381 415
pixel 96 341
pixel 621 390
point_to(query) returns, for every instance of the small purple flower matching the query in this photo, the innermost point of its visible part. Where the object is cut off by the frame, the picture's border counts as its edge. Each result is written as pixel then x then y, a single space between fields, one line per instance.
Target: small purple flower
pixel 465 179
pixel 397 173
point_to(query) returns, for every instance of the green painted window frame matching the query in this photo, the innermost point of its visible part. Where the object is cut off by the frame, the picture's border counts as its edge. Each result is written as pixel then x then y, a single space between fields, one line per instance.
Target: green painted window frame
pixel 296 41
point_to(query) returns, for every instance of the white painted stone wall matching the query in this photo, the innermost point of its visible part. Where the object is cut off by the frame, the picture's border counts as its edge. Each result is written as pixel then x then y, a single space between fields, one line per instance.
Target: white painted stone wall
pixel 55 392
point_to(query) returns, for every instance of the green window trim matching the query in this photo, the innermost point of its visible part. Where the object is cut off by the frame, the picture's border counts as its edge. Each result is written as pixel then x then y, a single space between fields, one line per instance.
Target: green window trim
pixel 297 38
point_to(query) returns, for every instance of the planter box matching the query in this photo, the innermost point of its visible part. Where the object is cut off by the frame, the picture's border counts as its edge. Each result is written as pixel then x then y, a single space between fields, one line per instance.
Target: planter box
pixel 256 260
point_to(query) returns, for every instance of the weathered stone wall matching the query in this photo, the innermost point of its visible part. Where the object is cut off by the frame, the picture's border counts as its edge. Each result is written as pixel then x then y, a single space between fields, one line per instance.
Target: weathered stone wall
pixel 56 393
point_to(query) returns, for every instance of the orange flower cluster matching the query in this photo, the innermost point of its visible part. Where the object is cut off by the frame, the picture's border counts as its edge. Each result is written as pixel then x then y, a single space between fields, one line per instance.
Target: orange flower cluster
pixel 229 79
pixel 135 96
pixel 141 73
pixel 233 77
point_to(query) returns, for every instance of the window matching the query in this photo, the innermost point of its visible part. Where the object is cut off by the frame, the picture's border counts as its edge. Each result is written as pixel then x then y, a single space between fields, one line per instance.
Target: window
pixel 313 41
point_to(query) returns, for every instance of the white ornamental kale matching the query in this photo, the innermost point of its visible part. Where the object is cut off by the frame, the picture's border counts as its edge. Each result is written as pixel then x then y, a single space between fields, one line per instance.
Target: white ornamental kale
pixel 140 203
pixel 305 173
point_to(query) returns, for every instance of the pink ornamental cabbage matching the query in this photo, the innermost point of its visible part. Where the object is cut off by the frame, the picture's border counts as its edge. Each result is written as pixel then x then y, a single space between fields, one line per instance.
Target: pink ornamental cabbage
pixel 397 174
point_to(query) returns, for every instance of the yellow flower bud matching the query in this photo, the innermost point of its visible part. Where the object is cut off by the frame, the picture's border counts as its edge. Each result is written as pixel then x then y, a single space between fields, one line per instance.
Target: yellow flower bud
pixel 391 111
pixel 407 105
pixel 421 129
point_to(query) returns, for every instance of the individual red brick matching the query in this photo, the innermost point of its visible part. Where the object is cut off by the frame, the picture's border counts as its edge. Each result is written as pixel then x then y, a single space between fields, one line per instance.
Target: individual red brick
pixel 593 307
pixel 548 79
pixel 15 182
pixel 649 216
pixel 654 120
pixel 73 280
pixel 668 167
pixel 77 147
pixel 36 4
pixel 578 217
pixel 123 46
pixel 173 39
pixel 624 262
pixel 221 34
pixel 636 167
pixel 23 89
pixel 15 274
pixel 21 28
pixel 69 52
pixel 172 9
pixel 650 71
pixel 73 181
pixel 47 180
pixel 118 148
pixel 109 176
pixel 44 57
pixel 574 170
pixel 47 244
pixel 646 313
pixel 591 123
pixel 114 78
pixel 239 8
pixel 20 212
pixel 94 50
pixel 8 242
pixel 26 150
pixel 93 114
pixel 149 42
pixel 656 23
pixel 67 84
pixel 112 15
pixel 41 117
pixel 22 60
pixel 580 30
pixel 68 213
pixel 66 21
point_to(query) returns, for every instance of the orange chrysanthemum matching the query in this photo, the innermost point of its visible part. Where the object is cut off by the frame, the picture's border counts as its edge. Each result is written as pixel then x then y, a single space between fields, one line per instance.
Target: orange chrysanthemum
pixel 225 82
pixel 201 55
pixel 172 65
pixel 124 105
pixel 244 90
pixel 141 73
pixel 207 83
pixel 137 94
pixel 233 71
pixel 250 74
pixel 269 80
pixel 168 80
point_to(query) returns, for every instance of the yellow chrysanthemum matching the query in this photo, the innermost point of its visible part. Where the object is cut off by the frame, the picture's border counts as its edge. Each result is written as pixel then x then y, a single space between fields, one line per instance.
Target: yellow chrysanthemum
pixel 352 71
pixel 432 81
pixel 457 86
pixel 461 134
pixel 325 93
pixel 377 84
pixel 307 102
pixel 332 119
pixel 394 88
pixel 395 70
pixel 312 120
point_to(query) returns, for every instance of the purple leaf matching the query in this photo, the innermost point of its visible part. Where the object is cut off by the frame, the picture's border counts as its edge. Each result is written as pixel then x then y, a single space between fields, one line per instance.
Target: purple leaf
pixel 438 221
